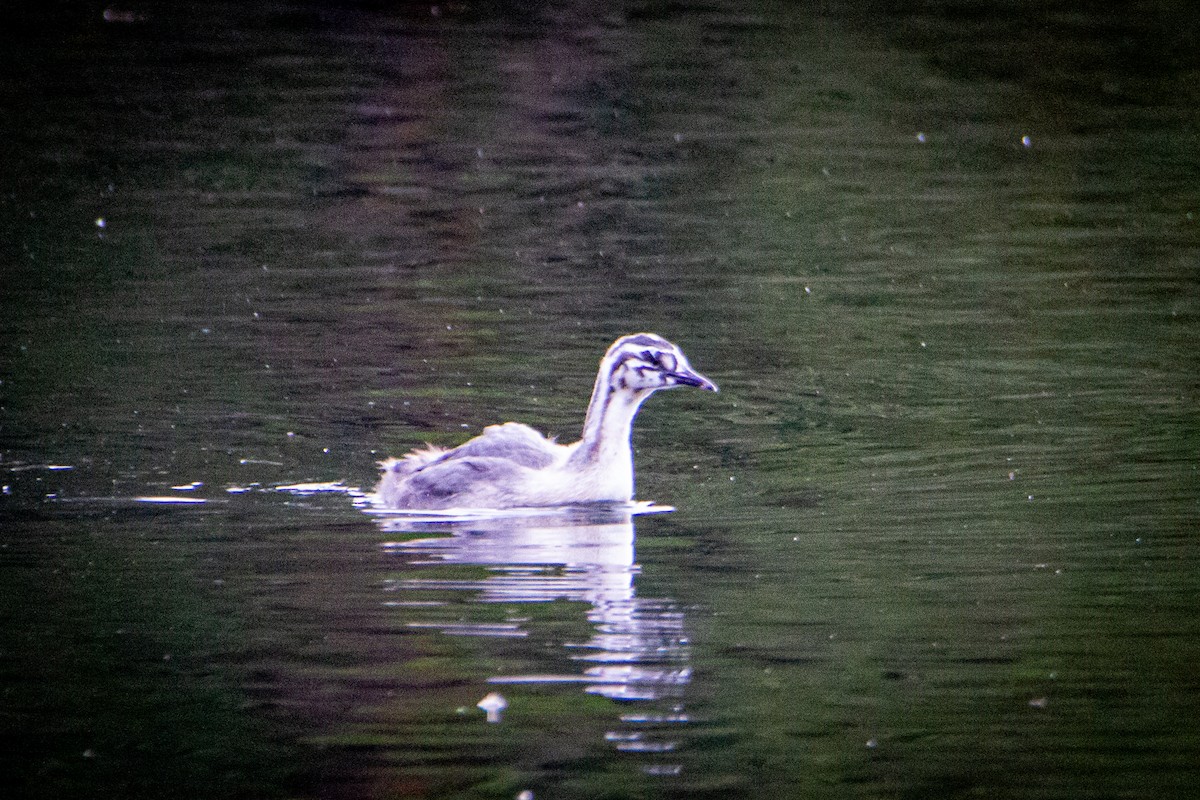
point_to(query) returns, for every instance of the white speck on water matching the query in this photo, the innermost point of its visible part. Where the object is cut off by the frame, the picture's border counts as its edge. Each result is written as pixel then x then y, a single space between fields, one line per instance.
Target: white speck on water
pixel 1026 141
pixel 493 703
pixel 921 137
pixel 872 744
pixel 166 501
pixel 291 434
pixel 101 222
pixel 662 769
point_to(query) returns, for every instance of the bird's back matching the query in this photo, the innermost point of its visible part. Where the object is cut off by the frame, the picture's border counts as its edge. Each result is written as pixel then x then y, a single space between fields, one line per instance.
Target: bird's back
pixel 486 471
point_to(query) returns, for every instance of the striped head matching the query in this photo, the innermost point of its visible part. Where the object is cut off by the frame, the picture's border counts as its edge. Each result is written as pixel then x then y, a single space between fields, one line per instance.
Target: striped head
pixel 643 362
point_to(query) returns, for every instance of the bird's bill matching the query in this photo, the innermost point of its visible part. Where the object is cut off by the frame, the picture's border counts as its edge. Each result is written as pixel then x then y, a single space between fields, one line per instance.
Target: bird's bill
pixel 690 378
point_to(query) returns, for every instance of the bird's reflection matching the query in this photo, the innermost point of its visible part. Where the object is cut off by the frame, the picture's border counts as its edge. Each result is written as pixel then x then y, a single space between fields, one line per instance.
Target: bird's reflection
pixel 638 649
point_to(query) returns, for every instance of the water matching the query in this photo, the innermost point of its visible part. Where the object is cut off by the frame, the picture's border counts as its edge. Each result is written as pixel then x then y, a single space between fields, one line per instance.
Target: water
pixel 934 538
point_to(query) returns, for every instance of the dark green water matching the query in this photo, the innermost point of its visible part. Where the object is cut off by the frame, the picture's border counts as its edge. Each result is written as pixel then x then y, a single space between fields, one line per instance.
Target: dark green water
pixel 935 537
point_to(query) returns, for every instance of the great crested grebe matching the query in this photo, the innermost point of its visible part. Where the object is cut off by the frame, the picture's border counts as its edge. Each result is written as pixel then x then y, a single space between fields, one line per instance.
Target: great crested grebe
pixel 514 466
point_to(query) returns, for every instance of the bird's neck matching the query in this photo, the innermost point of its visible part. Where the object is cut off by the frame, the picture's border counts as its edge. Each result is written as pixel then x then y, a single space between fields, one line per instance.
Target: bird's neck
pixel 607 428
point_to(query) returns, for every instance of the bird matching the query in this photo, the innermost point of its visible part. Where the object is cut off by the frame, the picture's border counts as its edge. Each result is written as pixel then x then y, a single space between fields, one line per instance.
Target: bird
pixel 513 466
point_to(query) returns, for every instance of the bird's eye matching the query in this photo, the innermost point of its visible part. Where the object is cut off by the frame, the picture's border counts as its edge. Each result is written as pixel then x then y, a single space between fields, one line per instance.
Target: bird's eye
pixel 652 358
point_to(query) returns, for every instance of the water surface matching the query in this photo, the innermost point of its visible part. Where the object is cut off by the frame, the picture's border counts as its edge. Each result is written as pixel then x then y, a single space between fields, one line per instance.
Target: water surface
pixel 934 538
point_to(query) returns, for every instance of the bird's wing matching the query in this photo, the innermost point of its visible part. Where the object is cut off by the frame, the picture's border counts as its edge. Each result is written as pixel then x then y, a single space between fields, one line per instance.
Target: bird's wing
pixel 462 477
pixel 512 441
pixel 481 472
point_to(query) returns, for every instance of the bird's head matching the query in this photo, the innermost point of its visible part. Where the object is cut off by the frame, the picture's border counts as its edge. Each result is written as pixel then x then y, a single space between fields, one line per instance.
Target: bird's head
pixel 644 362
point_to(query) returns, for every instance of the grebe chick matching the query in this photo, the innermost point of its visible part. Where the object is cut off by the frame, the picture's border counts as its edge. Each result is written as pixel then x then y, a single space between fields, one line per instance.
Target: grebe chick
pixel 514 466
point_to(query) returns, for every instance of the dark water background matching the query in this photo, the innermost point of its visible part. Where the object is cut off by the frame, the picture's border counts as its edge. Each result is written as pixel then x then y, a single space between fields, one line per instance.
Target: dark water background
pixel 935 537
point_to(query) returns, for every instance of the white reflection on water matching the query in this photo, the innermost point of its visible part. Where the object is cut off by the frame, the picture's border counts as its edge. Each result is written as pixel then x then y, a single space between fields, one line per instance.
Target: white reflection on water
pixel 638 650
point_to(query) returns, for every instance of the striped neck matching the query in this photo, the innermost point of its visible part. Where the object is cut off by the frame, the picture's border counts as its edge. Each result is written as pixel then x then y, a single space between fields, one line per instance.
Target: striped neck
pixel 608 426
